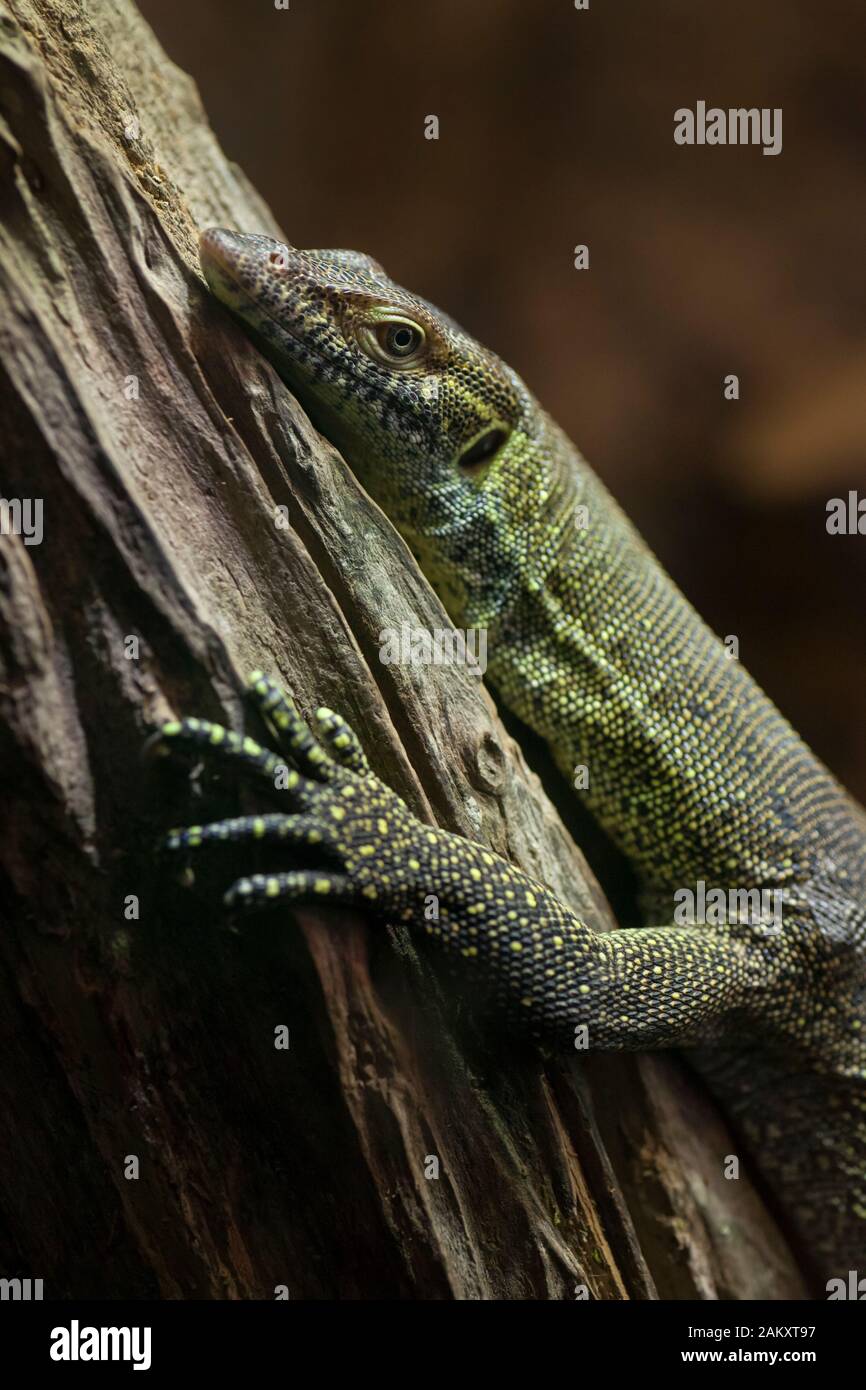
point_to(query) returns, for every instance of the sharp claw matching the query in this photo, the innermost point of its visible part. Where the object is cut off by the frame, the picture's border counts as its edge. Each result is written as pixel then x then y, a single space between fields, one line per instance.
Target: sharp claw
pixel 240 890
pixel 154 745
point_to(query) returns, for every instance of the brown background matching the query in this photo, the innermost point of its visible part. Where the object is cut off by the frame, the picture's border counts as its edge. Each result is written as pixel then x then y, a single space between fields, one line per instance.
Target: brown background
pixel 557 128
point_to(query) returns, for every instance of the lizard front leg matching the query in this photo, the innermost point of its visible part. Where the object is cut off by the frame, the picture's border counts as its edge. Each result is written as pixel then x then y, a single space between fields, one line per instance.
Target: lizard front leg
pixel 361 847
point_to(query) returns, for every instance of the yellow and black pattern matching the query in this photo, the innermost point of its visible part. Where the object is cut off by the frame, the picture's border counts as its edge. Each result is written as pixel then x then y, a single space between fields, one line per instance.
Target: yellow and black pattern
pixel 691 769
pixel 360 846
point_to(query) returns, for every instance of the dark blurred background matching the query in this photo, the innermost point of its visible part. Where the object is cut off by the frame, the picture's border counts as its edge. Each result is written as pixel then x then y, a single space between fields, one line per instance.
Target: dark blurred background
pixel 556 128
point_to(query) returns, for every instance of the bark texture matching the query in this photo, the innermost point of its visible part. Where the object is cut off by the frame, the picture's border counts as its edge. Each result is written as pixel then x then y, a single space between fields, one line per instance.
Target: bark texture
pixel 162 447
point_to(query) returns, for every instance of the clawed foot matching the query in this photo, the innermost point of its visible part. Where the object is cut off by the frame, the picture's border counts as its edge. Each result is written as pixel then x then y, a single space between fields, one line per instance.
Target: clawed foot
pixel 354 832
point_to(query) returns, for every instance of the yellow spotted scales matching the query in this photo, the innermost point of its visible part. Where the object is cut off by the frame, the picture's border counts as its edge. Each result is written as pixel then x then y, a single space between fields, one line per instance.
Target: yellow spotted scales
pixel 689 767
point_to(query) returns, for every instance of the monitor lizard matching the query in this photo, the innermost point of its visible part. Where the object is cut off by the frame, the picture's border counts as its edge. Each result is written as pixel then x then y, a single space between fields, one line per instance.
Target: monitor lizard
pixel 690 768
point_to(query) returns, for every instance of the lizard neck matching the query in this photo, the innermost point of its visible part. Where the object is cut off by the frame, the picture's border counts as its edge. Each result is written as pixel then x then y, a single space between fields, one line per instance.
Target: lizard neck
pixel 640 702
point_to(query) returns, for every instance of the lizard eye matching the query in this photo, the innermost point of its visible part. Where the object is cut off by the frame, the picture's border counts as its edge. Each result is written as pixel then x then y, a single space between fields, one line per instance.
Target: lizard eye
pixel 399 339
pixel 393 340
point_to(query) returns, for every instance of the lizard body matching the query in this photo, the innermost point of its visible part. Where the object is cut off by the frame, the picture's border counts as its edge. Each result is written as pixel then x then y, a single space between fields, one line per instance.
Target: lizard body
pixel 692 770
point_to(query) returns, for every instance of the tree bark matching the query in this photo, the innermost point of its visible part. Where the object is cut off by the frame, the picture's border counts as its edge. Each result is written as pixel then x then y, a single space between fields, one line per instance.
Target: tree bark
pixel 162 447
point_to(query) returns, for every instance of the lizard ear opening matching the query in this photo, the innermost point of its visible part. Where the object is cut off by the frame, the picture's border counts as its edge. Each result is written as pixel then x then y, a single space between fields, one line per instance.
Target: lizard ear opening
pixel 481 450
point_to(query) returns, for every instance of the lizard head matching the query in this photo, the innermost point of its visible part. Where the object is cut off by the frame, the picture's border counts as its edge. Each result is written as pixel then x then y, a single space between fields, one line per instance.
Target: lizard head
pixel 443 435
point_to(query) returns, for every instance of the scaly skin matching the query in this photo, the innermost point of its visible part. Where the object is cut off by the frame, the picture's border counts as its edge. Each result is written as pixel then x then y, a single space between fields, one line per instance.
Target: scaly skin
pixel 692 771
